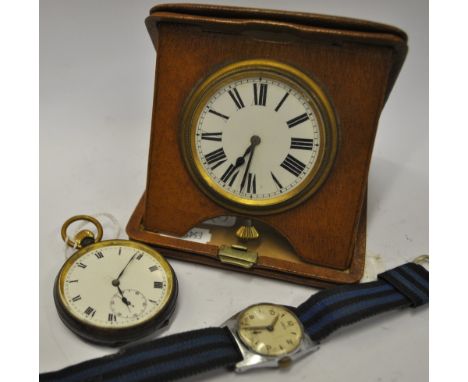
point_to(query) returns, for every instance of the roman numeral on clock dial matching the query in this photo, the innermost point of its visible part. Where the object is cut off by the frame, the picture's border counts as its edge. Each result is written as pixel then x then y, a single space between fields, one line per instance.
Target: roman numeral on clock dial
pixel 275 179
pixel 216 158
pixel 212 136
pixel 230 171
pixel 293 165
pixel 260 94
pixel 298 120
pixel 281 102
pixel 302 143
pixel 218 114
pixel 236 98
pixel 251 184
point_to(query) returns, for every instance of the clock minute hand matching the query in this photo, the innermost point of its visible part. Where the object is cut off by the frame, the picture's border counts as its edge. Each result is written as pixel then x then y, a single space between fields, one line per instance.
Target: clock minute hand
pixel 255 141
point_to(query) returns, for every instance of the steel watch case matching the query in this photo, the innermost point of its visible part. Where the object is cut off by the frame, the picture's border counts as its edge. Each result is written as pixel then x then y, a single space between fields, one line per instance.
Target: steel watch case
pixel 253 360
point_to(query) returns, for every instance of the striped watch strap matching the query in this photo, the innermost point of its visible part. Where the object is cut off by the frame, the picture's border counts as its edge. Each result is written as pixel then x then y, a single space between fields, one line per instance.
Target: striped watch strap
pixel 326 311
pixel 173 357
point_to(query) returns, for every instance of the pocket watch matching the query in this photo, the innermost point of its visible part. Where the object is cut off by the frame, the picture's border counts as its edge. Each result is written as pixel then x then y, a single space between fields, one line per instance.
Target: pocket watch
pixel 262 335
pixel 114 291
pixel 259 136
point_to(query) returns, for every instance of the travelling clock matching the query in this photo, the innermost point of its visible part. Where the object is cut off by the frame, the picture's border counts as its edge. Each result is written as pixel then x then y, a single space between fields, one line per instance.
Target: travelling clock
pixel 114 291
pixel 259 136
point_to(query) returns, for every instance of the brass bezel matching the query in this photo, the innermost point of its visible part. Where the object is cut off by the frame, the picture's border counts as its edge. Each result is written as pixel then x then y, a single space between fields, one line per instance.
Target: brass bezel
pixel 297 80
pixel 108 243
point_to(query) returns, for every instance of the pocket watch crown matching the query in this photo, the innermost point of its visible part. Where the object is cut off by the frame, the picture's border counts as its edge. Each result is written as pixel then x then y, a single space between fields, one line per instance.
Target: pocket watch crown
pixel 84 238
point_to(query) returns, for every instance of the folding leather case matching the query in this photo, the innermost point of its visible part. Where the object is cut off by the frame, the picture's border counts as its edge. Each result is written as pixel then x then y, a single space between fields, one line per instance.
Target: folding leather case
pixel 357 61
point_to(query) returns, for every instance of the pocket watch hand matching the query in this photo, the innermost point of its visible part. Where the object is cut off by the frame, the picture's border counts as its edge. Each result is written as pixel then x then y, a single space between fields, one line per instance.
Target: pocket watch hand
pixel 124 299
pixel 123 270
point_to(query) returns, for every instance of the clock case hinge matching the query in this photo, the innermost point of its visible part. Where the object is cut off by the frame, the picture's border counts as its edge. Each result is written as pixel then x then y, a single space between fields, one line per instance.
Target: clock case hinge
pixel 237 255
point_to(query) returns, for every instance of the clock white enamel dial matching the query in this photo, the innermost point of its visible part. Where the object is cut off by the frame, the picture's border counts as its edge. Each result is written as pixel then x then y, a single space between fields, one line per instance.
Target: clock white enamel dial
pixel 115 291
pixel 259 136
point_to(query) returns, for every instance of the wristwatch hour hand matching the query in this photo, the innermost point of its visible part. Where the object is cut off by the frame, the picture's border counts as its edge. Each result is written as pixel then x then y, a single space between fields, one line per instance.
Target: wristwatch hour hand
pixel 269 327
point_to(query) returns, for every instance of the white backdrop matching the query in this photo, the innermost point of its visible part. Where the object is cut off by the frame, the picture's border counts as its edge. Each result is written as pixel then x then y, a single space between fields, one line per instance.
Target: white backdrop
pixel 97 72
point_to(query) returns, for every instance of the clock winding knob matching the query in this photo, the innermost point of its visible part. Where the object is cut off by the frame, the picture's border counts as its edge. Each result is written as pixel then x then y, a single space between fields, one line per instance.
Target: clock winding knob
pixel 247 231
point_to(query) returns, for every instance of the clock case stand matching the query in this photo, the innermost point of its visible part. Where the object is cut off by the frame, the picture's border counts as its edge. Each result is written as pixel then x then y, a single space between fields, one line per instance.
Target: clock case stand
pixel 320 242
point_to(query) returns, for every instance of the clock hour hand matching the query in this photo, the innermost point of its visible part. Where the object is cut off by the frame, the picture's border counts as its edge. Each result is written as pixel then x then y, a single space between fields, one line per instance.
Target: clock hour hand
pixel 241 160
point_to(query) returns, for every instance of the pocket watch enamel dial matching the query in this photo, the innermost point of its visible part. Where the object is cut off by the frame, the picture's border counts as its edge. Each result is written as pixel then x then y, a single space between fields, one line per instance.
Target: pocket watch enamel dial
pixel 270 330
pixel 115 291
pixel 259 136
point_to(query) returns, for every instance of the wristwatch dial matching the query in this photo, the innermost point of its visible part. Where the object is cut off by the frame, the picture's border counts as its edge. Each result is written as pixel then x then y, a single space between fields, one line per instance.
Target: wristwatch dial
pixel 259 136
pixel 269 329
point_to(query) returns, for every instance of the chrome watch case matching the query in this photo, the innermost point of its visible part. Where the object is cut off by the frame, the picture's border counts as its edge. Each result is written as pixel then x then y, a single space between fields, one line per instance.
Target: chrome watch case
pixel 253 360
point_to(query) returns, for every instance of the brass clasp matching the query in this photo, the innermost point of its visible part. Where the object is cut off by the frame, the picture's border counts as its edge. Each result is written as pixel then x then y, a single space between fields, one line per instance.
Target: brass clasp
pixel 237 255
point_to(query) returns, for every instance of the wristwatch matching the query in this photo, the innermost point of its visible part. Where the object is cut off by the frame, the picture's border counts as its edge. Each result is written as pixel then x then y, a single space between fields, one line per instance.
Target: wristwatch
pixel 262 335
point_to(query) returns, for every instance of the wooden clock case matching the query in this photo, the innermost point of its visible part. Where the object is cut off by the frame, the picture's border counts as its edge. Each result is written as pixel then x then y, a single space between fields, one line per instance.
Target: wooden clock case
pixel 321 241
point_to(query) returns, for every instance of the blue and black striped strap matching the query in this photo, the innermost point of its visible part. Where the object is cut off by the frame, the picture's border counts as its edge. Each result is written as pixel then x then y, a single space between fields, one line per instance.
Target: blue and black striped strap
pixel 166 359
pixel 186 354
pixel 326 311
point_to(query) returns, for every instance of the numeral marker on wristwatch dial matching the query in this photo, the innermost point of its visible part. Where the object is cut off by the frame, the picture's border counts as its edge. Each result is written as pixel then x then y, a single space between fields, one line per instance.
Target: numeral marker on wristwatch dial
pixel 260 95
pixel 153 268
pixel 302 143
pixel 298 120
pixel 212 136
pixel 158 284
pixel 112 317
pixel 293 165
pixel 81 265
pixel 236 98
pixel 76 298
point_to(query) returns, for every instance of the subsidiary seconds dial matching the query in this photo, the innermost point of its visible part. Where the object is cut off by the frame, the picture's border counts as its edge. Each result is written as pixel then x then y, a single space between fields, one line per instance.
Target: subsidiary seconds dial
pixel 262 136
